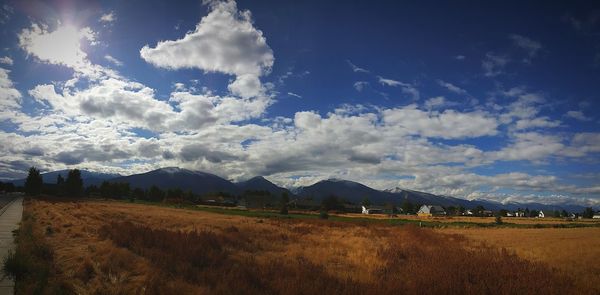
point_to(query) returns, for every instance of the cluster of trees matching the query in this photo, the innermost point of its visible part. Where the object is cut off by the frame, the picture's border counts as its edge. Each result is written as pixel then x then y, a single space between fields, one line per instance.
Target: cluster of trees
pixel 7 187
pixel 72 186
pixel 116 190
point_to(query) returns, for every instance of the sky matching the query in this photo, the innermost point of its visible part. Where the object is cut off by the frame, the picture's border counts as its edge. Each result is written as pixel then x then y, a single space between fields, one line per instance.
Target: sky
pixel 493 101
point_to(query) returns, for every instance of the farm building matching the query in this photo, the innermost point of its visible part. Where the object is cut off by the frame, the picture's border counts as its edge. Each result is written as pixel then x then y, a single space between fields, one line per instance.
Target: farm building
pixel 487 213
pixel 596 215
pixel 431 210
pixel 541 214
pixel 373 210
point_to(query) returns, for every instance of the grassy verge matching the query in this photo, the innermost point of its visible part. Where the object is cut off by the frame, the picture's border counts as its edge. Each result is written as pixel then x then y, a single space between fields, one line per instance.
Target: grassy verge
pixel 31 264
pixel 391 221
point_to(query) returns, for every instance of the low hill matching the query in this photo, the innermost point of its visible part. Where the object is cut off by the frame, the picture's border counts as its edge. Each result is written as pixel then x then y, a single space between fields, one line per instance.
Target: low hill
pixel 260 183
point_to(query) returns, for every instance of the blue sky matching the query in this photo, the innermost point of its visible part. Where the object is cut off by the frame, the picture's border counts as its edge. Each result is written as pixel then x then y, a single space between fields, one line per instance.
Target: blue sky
pixel 475 101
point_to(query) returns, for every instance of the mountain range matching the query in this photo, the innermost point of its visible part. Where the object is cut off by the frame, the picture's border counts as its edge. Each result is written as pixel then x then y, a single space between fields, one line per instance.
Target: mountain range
pixel 203 183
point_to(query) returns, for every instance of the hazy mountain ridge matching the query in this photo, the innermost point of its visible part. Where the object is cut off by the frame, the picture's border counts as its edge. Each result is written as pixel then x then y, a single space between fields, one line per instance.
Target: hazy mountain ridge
pixel 88 177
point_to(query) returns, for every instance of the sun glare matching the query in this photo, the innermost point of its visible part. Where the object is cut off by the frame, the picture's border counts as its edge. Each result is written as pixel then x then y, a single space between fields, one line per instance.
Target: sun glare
pixel 61 46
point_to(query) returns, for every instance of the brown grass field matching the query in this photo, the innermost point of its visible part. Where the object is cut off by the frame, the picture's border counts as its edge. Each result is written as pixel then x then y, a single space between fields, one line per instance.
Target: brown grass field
pixel 574 251
pixel 101 247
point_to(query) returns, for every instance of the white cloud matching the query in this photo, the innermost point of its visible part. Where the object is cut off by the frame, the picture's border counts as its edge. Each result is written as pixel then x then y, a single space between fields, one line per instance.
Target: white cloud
pixel 493 65
pixel 61 46
pixel 460 57
pixel 531 146
pixel 224 41
pixel 435 102
pixel 120 101
pixel 113 60
pixel 294 95
pixel 10 98
pixel 451 87
pixel 360 85
pixel 448 124
pixel 6 13
pixel 532 47
pixel 6 60
pixel 525 109
pixel 356 68
pixel 539 122
pixel 407 88
pixel 108 17
pixel 578 115
pixel 246 86
pixel 389 82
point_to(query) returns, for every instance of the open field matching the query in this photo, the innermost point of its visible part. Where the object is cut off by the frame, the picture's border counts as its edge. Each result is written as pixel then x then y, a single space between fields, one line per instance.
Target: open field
pixel 574 250
pixel 122 248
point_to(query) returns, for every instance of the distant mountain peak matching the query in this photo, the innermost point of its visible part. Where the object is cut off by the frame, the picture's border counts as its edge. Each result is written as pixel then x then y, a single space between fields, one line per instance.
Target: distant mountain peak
pixel 172 170
pixel 258 178
pixel 394 190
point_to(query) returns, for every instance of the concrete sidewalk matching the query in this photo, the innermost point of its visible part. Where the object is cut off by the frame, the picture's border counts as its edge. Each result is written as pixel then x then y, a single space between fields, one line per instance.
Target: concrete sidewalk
pixel 9 221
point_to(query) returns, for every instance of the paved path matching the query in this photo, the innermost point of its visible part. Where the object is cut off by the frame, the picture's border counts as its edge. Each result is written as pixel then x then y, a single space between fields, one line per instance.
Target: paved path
pixel 10 216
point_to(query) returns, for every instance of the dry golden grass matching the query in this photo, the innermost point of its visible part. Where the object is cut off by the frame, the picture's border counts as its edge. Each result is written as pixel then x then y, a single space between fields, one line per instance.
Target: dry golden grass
pixel 575 251
pixel 120 248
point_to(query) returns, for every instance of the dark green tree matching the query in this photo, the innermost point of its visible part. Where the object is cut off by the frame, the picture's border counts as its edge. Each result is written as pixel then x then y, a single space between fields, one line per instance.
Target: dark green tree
pixel 138 193
pixel 330 203
pixel 155 193
pixel 534 213
pixel 366 202
pixel 189 196
pixel 564 213
pixel 7 187
pixel 105 189
pixel 588 212
pixel 34 182
pixel 60 185
pixel 451 210
pixel 408 207
pixel 556 213
pixel 74 183
pixel 174 193
pixel 498 220
pixel 285 200
pixel 479 210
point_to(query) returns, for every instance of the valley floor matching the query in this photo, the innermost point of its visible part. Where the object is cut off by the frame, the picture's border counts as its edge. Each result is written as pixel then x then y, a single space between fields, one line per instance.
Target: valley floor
pixel 121 248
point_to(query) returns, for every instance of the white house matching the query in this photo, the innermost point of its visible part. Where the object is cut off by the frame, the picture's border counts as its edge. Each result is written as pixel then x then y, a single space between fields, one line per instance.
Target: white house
pixel 541 214
pixel 510 214
pixel 596 215
pixel 430 210
pixel 520 214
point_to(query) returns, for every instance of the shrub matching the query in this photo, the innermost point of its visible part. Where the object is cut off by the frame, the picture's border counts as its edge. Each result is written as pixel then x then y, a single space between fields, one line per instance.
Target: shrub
pixel 498 220
pixel 15 266
pixel 32 263
pixel 323 214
